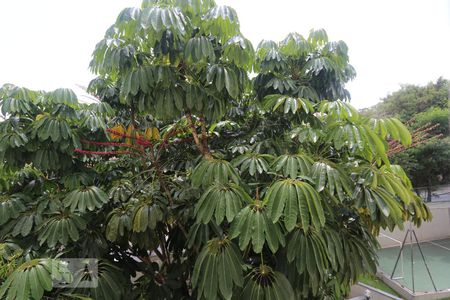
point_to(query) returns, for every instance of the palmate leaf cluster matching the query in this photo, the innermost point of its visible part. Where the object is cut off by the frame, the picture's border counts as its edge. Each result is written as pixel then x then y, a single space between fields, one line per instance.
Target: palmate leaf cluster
pixel 190 180
pixel 218 269
pixel 31 279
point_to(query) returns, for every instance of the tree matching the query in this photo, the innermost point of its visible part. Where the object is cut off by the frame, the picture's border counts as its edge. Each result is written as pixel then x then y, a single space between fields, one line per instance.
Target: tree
pixel 412 99
pixel 188 179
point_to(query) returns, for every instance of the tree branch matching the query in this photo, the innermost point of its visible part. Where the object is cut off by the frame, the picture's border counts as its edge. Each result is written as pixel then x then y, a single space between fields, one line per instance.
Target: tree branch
pixel 160 175
pixel 204 134
pixel 204 151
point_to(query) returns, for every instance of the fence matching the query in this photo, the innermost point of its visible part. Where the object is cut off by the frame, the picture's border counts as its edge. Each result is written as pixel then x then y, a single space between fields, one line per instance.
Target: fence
pixel 437 193
pixel 438 228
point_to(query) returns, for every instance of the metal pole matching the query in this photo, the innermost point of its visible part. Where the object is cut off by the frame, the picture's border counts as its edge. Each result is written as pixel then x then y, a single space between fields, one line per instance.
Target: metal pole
pixel 412 260
pixel 398 257
pixel 424 261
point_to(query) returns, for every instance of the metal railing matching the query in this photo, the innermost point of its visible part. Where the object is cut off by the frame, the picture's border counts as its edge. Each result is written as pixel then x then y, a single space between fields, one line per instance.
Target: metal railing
pixel 436 193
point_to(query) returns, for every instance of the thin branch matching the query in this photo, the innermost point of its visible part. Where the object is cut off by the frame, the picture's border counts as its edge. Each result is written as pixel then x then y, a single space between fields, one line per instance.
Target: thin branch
pixel 112 144
pixel 105 153
pixel 160 175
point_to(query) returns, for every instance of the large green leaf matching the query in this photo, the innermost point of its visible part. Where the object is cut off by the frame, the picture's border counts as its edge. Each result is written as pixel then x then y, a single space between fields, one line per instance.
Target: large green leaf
pixel 199 234
pixel 359 138
pixel 307 250
pixel 101 108
pixel 376 145
pixel 93 121
pixel 391 128
pixel 398 170
pixel 339 110
pixel 349 135
pixel 146 216
pixel 318 36
pixel 297 202
pixel 119 220
pixel 121 190
pixel 11 206
pixel 209 171
pixel 293 165
pixel 221 21
pixel 389 180
pixel 382 208
pixel 193 8
pixel 224 77
pixel 111 55
pixel 335 251
pixel 61 228
pixel 265 283
pixel 163 18
pixel 75 180
pixel 271 60
pixel 239 50
pixel 31 279
pixel 307 134
pixel 49 127
pixel 418 212
pixel 15 100
pixel 283 85
pixel 62 96
pixel 253 224
pixel 359 253
pixel 127 21
pixel 141 80
pixel 26 222
pixel 169 103
pixel 14 105
pixel 47 159
pixel 319 64
pixel 195 98
pixel 264 47
pixel 14 139
pixel 199 50
pixel 287 104
pixel 84 198
pixel 295 45
pixel 220 201
pixel 253 163
pixel 326 174
pixel 217 270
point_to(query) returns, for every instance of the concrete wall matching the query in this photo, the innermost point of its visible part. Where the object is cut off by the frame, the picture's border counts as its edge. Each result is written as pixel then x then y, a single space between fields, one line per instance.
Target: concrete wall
pixel 408 294
pixel 438 228
pixel 360 290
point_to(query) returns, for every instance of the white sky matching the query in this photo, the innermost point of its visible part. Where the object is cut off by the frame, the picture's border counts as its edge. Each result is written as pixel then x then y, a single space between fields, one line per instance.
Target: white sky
pixel 47 44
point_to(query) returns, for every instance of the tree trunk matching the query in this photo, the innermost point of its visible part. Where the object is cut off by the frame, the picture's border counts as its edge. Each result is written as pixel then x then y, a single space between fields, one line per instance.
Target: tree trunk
pixel 429 192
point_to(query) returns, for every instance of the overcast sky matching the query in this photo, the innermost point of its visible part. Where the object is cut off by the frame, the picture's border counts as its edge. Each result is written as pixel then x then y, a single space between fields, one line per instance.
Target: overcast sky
pixel 47 44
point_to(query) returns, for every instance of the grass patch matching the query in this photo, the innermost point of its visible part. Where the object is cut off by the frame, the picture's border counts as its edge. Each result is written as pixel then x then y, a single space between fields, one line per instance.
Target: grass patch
pixel 373 281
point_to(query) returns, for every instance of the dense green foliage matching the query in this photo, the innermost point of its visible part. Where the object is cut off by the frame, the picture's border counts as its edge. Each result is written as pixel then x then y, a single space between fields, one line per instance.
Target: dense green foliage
pixel 412 99
pixel 428 163
pixel 191 181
